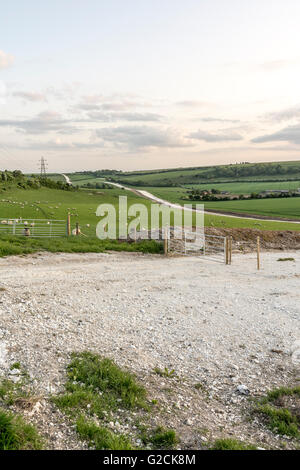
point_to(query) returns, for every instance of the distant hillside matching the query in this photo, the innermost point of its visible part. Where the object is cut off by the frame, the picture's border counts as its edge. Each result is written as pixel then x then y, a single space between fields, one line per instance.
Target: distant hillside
pixel 17 180
pixel 275 171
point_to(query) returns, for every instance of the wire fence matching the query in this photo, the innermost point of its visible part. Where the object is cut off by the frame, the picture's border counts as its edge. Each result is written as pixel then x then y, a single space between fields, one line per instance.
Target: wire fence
pixel 33 227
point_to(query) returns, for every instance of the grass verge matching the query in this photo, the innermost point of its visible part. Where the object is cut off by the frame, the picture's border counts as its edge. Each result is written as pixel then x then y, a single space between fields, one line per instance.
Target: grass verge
pixel 10 245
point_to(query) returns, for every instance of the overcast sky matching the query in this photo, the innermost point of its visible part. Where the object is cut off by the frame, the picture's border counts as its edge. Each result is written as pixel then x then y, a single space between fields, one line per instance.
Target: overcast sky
pixel 138 84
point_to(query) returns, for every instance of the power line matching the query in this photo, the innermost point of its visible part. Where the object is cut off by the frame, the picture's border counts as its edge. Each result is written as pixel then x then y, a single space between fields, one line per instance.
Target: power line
pixel 43 165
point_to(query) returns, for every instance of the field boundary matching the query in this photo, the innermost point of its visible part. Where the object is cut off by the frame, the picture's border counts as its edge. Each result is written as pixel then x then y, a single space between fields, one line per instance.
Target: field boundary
pixel 33 228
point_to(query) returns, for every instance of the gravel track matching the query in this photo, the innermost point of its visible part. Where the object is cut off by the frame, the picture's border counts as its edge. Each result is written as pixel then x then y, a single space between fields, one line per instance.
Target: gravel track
pixel 217 325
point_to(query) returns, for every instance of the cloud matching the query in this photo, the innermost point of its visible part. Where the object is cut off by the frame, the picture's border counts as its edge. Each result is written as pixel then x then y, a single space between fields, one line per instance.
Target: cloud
pixel 30 96
pixel 272 65
pixel 137 137
pixel 113 117
pixel 58 144
pixel 101 103
pixel 212 119
pixel 221 137
pixel 6 60
pixel 43 122
pixel 192 103
pixel 285 114
pixel 288 134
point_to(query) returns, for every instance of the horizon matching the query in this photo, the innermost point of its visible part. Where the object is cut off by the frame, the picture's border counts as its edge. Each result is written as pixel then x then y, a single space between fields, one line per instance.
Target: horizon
pixel 138 86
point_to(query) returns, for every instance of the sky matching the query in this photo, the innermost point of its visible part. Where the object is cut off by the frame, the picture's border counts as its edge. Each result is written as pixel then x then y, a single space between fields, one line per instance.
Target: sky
pixel 143 84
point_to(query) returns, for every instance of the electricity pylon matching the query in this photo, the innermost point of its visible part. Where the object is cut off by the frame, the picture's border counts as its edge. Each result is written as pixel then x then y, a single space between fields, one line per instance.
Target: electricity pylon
pixel 43 165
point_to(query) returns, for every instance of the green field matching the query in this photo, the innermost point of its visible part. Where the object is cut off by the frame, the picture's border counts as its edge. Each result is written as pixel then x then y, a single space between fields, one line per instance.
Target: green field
pixel 82 204
pixel 247 188
pixel 288 208
pixel 45 203
pixel 284 208
pixel 173 185
pixel 55 204
pixel 274 171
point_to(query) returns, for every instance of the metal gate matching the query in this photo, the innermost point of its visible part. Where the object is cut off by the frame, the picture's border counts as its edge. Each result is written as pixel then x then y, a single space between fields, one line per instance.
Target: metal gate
pixel 33 227
pixel 197 243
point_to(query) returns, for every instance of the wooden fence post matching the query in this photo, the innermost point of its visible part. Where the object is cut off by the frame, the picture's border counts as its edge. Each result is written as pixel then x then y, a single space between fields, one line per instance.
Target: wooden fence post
pixel 69 224
pixel 166 241
pixel 258 252
pixel 230 250
pixel 226 250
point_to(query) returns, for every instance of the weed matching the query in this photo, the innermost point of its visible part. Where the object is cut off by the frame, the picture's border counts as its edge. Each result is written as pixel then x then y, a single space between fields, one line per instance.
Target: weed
pixel 10 391
pixel 280 421
pixel 101 438
pixel 165 372
pixel 15 434
pixel 163 438
pixel 98 387
pixel 10 245
pixel 231 444
pixel 278 410
pixel 201 387
pixel 286 259
pixel 159 438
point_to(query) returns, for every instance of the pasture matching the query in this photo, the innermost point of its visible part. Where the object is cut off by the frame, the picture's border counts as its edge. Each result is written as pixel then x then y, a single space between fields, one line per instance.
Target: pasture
pixel 280 171
pixel 247 187
pixel 46 203
pixel 285 208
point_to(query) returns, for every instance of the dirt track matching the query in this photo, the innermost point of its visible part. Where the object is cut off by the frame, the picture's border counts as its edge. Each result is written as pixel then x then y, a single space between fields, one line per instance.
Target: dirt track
pixel 213 324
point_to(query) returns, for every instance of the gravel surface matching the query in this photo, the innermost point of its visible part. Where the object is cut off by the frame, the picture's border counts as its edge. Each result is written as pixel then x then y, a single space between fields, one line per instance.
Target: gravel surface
pixel 220 326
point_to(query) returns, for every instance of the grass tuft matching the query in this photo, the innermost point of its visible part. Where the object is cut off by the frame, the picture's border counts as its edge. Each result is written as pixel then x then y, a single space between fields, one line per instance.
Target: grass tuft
pixel 231 444
pixel 15 434
pixel 164 438
pixel 101 438
pixel 97 387
pixel 286 259
pixel 165 373
pixel 281 412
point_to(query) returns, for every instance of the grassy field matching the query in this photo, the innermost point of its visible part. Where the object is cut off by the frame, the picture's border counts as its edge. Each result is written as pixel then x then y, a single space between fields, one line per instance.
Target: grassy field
pixel 285 208
pixel 173 185
pixel 288 208
pixel 47 203
pixel 273 171
pixel 247 188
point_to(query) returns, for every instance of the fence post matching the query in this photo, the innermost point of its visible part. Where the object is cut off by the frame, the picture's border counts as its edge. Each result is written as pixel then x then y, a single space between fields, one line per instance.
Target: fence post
pixel 166 241
pixel 69 224
pixel 258 252
pixel 230 249
pixel 77 228
pixel 226 250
